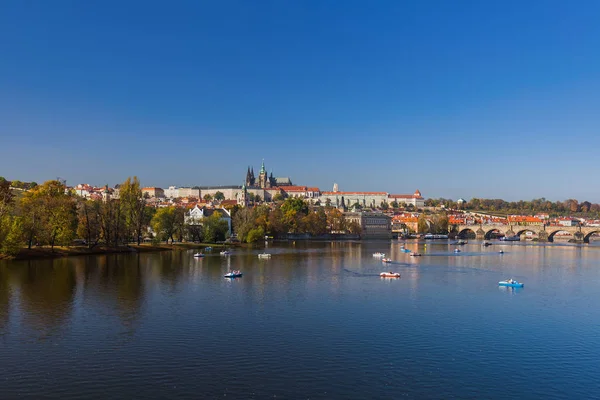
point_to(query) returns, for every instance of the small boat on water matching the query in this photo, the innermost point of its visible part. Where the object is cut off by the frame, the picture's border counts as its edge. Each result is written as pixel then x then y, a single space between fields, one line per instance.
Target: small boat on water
pixel 511 283
pixel 501 252
pixel 208 248
pixel 515 238
pixel 389 274
pixel 415 255
pixel 405 250
pixel 457 250
pixel 460 242
pixel 386 260
pixel 233 274
pixel 264 255
pixel 225 253
pixel 198 255
pixel 378 255
pixel 486 244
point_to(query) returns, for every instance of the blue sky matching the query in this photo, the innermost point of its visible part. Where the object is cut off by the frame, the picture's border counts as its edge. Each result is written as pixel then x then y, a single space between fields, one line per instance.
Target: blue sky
pixel 458 99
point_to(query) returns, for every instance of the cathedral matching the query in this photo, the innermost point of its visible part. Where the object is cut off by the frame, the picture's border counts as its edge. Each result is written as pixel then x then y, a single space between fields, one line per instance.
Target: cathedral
pixel 264 181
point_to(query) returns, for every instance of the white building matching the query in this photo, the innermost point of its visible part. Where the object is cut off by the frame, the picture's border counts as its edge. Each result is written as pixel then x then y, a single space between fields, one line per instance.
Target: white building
pixel 172 192
pixel 197 214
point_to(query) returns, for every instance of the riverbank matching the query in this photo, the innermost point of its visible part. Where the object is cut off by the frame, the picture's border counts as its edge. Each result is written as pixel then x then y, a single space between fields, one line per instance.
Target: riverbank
pixel 69 251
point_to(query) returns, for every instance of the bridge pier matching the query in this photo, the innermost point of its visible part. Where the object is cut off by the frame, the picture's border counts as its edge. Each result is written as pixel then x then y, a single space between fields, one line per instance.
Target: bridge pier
pixel 543 236
pixel 480 234
pixel 578 237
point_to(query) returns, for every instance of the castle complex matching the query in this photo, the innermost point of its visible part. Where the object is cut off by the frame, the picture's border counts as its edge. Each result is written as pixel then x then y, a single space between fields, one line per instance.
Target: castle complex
pixel 264 181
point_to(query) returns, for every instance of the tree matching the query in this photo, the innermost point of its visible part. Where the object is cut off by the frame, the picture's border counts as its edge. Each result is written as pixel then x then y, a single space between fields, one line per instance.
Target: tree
pixel 422 225
pixel 328 202
pixel 384 205
pixel 89 221
pixel 296 204
pixel 255 235
pixel 316 223
pixel 336 222
pixel 112 222
pixel 219 196
pixel 215 228
pixel 55 211
pixel 257 198
pixel 207 198
pixel 243 222
pixel 164 223
pixel 278 197
pixel 134 205
pixel 395 204
pixel 354 228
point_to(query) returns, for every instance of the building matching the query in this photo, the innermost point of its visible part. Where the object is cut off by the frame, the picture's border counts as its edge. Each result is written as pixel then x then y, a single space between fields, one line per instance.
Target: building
pixel 153 192
pixel 172 192
pixel 568 222
pixel 195 215
pixel 414 199
pixel 349 199
pixel 265 181
pixel 373 225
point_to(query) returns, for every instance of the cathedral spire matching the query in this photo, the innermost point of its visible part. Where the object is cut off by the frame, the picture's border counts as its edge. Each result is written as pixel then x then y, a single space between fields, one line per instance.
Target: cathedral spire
pixel 262 168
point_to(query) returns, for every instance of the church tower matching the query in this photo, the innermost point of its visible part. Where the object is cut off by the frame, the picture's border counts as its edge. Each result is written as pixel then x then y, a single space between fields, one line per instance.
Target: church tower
pixel 263 180
pixel 243 199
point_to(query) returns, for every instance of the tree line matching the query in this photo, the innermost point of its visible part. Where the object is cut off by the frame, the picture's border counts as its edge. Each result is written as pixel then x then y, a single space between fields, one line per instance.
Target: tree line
pixel 49 214
pixel 293 215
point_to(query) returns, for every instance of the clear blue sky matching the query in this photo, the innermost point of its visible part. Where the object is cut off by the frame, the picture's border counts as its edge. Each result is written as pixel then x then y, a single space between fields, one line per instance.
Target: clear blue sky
pixel 456 98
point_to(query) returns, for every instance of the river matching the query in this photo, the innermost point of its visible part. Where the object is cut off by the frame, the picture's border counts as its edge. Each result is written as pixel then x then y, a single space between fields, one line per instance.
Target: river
pixel 315 321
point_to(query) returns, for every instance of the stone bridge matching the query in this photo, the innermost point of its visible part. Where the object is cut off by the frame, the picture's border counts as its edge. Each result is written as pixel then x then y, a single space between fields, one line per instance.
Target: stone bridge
pixel 545 233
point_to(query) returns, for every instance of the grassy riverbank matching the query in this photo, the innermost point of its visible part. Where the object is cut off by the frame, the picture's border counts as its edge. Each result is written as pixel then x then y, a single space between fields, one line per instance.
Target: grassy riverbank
pixel 67 251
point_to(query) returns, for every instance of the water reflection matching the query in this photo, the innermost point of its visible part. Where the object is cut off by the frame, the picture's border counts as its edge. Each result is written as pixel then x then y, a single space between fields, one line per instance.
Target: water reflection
pixel 47 290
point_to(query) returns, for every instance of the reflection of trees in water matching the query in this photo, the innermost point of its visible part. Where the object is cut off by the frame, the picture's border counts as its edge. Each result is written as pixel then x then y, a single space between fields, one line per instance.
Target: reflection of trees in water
pixel 47 290
pixel 5 294
pixel 115 282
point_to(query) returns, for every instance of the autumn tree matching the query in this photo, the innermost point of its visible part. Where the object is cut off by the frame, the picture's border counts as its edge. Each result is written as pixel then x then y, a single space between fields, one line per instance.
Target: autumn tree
pixel 134 205
pixel 55 211
pixel 89 224
pixel 422 225
pixel 164 223
pixel 315 223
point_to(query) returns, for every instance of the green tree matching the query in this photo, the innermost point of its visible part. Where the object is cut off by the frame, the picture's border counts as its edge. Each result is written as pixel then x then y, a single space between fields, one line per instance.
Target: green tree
pixel 296 204
pixel 243 221
pixel 255 234
pixel 384 205
pixel 207 197
pixel 164 223
pixel 278 197
pixel 215 228
pixel 219 196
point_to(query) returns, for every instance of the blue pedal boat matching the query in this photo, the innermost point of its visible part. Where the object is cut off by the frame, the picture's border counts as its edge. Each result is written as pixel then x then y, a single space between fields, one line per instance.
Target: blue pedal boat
pixel 511 283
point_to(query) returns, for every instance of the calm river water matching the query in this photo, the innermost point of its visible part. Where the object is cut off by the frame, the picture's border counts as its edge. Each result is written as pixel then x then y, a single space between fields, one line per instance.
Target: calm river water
pixel 313 322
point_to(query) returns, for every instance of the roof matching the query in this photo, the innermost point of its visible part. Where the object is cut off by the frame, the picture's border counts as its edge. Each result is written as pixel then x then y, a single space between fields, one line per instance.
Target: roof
pixel 283 181
pixel 293 188
pixel 355 193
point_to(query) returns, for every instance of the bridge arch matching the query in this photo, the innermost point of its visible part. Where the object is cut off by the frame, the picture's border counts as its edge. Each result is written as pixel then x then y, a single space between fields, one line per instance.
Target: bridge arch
pixel 467 233
pixel 586 238
pixel 522 231
pixel 493 232
pixel 554 232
